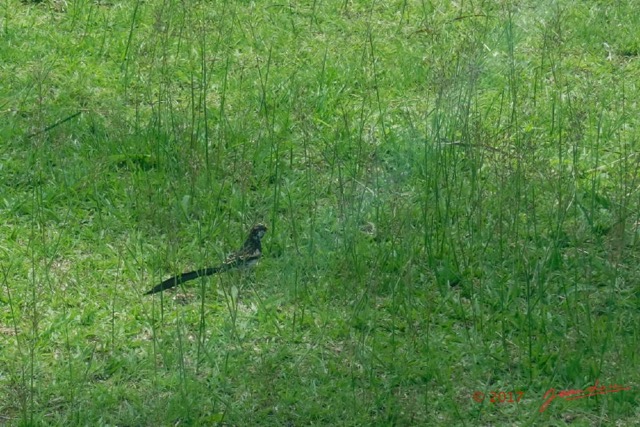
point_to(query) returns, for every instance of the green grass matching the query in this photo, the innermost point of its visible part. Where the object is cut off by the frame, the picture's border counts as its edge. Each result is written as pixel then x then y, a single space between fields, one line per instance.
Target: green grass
pixel 451 191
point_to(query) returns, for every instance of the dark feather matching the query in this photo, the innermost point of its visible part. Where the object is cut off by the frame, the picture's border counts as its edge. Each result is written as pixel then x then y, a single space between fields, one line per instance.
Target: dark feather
pixel 184 277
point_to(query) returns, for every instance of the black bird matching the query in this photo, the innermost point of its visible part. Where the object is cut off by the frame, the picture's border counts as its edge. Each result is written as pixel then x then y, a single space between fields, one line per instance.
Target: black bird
pixel 246 257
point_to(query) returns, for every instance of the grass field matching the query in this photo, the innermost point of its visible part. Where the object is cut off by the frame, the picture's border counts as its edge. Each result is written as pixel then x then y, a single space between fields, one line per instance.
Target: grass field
pixel 451 190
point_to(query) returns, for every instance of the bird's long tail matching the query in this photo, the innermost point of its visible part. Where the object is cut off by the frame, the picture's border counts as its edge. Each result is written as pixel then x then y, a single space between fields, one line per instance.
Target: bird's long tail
pixel 184 277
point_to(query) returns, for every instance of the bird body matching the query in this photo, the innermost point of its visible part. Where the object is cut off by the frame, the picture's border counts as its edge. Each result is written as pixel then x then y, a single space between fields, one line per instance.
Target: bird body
pixel 246 257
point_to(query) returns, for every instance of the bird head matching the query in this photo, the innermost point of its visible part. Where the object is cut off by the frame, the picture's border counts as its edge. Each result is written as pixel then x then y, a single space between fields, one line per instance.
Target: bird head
pixel 253 240
pixel 258 231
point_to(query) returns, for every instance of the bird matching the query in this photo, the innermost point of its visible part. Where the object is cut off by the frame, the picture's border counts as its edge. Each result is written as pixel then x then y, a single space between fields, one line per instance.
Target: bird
pixel 247 256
